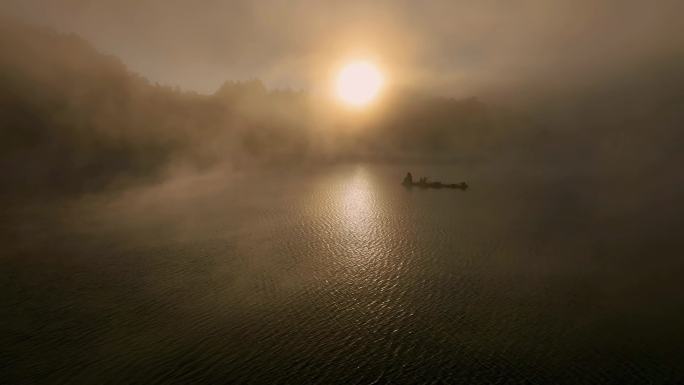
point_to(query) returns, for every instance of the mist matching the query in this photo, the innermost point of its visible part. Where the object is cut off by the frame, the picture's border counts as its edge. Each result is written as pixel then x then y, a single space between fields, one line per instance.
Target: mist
pixel 184 199
pixel 77 120
pixel 456 48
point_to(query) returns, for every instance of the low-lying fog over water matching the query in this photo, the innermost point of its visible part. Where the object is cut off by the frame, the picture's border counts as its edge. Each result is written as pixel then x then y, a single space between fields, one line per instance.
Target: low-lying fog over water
pixel 341 275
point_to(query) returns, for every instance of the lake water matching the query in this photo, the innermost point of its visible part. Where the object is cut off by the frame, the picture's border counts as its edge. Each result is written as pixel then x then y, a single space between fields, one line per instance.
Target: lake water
pixel 340 275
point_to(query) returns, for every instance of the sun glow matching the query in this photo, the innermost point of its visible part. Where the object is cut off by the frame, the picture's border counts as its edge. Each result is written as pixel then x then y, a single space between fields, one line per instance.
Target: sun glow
pixel 359 83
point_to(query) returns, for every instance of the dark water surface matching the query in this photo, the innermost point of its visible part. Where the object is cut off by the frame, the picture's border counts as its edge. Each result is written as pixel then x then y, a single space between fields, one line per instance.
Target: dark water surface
pixel 341 275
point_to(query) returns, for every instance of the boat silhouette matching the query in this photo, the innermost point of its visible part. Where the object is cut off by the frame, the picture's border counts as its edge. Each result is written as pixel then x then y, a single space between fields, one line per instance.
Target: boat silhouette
pixel 424 183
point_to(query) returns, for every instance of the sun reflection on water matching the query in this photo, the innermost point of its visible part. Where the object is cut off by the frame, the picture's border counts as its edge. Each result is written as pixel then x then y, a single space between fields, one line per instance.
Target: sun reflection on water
pixel 357 204
pixel 360 226
pixel 351 210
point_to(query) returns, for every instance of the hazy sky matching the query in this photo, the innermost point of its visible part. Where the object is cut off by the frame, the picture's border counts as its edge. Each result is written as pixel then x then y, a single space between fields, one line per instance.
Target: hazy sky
pixel 453 47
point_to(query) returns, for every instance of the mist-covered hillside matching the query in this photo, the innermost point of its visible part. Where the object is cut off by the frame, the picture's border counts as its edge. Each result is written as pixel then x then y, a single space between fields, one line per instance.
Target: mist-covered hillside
pixel 75 120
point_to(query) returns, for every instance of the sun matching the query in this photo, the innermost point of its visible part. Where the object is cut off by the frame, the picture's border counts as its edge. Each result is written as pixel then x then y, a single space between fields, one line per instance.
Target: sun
pixel 359 83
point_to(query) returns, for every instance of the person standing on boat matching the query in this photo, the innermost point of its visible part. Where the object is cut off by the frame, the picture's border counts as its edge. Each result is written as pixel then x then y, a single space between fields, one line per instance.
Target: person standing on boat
pixel 408 179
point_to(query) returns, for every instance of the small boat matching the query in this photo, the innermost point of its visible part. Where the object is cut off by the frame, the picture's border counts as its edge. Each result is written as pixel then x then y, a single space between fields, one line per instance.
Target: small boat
pixel 424 183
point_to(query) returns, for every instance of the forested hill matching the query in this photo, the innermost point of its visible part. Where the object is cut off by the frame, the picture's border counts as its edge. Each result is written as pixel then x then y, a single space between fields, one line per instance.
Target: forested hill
pixel 75 120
